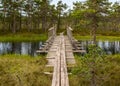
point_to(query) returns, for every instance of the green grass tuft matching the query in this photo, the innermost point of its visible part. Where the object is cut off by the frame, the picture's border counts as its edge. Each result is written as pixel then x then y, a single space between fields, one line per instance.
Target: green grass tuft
pixel 26 37
pixel 20 70
pixel 102 38
pixel 107 72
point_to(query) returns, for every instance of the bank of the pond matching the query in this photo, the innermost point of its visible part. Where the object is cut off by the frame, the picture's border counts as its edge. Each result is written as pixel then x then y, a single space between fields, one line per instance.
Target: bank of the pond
pixel 106 73
pixel 17 70
pixel 103 38
pixel 26 37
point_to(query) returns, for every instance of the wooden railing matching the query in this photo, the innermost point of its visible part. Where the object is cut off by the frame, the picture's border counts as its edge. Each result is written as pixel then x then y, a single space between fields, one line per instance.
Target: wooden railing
pixel 74 42
pixel 69 33
pixel 52 32
pixel 51 36
pixel 48 43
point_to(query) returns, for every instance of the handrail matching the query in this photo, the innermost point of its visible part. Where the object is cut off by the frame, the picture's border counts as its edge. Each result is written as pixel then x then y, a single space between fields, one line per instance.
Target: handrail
pixel 69 33
pixel 71 38
pixel 52 32
pixel 51 36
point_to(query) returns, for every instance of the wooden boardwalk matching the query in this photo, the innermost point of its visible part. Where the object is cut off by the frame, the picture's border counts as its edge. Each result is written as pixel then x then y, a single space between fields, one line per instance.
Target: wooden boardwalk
pixel 60 75
pixel 52 52
pixel 60 53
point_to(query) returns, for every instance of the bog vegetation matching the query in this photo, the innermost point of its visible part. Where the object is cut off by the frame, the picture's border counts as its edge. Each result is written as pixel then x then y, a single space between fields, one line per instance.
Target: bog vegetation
pixel 39 15
pixel 106 71
pixel 17 70
pixel 29 20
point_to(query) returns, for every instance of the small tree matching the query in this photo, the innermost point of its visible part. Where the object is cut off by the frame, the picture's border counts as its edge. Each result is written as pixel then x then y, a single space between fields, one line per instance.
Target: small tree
pixel 89 65
pixel 60 8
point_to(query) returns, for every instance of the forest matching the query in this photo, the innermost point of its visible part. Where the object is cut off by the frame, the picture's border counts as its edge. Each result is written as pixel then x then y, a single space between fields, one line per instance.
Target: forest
pixel 32 15
pixel 24 26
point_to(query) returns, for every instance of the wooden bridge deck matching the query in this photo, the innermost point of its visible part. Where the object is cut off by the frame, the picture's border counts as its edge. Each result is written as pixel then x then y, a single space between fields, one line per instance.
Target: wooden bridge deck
pixel 60 53
pixel 60 75
pixel 51 56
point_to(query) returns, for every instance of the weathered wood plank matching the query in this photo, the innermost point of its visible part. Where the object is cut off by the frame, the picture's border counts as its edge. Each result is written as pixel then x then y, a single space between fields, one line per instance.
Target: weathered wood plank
pixel 56 73
pixel 60 75
pixel 64 74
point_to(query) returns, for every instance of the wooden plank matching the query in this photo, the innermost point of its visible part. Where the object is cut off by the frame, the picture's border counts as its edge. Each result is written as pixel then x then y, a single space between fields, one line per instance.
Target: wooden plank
pixel 64 74
pixel 79 51
pixel 69 52
pixel 56 73
pixel 60 75
pixel 40 51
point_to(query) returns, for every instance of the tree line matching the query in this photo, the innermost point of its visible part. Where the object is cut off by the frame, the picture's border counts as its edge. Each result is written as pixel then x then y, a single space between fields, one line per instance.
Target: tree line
pixel 30 15
pixel 99 14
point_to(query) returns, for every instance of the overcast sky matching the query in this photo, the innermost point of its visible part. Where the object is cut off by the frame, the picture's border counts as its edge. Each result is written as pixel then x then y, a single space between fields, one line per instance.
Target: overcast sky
pixel 69 2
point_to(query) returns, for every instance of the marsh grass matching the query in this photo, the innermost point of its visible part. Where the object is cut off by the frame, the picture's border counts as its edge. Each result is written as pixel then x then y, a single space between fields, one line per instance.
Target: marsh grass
pixel 107 72
pixel 17 70
pixel 102 38
pixel 23 37
pixel 102 32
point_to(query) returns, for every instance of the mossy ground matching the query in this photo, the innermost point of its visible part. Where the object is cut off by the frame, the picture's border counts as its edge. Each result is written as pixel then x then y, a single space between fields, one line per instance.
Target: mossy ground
pixel 17 70
pixel 107 72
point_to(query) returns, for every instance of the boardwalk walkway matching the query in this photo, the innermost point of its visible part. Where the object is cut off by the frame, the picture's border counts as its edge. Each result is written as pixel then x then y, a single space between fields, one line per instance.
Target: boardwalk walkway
pixel 60 53
pixel 60 75
pixel 52 52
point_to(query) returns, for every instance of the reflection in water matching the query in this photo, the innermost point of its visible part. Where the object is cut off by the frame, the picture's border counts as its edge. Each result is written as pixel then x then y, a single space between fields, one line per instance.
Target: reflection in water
pixel 23 48
pixel 108 47
pixel 29 48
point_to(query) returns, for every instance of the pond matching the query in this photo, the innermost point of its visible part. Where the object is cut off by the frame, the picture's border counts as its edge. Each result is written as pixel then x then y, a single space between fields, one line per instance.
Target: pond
pixel 107 46
pixel 29 48
pixel 23 48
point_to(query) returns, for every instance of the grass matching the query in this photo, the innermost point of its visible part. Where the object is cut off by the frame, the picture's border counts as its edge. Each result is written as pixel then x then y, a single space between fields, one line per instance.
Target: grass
pixel 17 70
pixel 20 37
pixel 103 38
pixel 84 34
pixel 107 72
pixel 102 32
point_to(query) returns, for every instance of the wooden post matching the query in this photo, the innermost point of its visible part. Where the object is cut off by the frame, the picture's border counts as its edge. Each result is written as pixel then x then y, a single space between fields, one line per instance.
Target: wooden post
pixel 52 32
pixel 69 34
pixel 71 38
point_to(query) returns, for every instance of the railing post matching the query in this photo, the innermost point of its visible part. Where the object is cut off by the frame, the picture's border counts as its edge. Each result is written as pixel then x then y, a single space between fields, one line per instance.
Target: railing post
pixel 52 32
pixel 69 33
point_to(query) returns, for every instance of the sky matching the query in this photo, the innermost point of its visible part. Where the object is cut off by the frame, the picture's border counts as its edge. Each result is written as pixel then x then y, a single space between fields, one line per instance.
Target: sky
pixel 69 2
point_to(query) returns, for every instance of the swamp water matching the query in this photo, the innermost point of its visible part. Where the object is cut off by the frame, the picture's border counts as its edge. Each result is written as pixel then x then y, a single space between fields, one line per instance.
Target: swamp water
pixel 29 48
pixel 23 48
pixel 109 47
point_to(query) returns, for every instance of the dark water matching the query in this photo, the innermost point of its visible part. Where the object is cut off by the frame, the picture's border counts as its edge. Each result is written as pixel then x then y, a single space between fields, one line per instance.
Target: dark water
pixel 29 48
pixel 23 48
pixel 107 46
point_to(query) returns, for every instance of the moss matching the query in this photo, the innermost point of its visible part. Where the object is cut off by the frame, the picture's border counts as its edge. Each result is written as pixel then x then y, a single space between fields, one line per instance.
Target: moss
pixel 17 70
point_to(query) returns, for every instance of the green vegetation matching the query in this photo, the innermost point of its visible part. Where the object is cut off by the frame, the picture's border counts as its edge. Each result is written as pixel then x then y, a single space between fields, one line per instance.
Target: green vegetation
pixel 30 15
pixel 103 38
pixel 99 32
pixel 23 37
pixel 106 72
pixel 17 70
pixel 84 34
pixel 89 14
pixel 29 20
